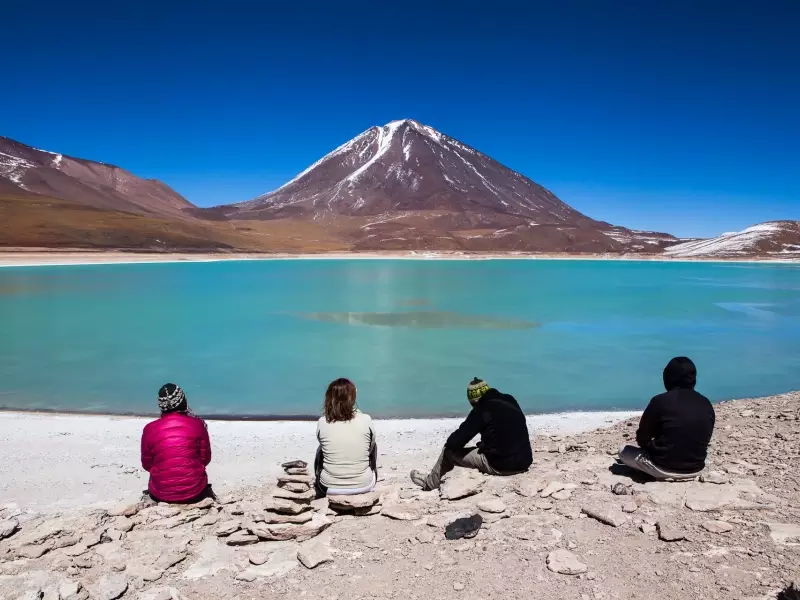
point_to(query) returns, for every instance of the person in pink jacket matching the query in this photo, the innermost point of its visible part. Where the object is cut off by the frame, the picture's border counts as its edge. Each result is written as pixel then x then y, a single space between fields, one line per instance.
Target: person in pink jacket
pixel 176 451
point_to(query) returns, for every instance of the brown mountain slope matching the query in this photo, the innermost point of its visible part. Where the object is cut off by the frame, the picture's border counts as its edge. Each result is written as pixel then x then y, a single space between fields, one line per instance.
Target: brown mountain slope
pixel 85 182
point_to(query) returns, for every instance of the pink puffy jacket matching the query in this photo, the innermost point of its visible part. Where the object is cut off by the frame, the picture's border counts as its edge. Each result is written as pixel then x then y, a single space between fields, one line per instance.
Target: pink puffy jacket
pixel 176 451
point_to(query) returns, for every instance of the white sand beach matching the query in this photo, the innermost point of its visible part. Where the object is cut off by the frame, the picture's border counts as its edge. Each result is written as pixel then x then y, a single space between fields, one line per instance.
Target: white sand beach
pixel 59 462
pixel 39 258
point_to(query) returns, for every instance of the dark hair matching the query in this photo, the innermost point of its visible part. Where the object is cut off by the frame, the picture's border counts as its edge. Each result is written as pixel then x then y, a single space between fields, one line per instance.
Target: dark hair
pixel 680 372
pixel 167 390
pixel 340 401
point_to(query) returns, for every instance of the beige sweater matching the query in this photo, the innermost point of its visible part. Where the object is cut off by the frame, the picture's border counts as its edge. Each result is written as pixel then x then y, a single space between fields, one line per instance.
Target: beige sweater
pixel 345 450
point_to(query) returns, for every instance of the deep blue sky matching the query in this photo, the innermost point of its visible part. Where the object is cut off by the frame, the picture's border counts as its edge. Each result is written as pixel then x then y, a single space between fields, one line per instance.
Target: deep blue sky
pixel 681 116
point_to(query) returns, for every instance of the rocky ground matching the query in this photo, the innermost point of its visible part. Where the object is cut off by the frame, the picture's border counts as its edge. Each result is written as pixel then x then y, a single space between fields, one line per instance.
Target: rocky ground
pixel 572 527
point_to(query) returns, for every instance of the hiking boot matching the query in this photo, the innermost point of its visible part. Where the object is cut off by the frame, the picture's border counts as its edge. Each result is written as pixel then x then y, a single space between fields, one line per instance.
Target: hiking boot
pixel 419 479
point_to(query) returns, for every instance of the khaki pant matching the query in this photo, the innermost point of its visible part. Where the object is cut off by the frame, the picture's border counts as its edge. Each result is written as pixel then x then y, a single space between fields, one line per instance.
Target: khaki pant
pixel 636 458
pixel 469 458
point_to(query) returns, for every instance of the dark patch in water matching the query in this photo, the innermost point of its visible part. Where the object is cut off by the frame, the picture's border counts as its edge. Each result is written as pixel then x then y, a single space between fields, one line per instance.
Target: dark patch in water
pixel 419 319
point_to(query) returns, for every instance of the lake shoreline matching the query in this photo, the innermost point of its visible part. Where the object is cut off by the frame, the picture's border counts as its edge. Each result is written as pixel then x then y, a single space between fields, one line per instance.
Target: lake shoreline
pixel 44 257
pixel 67 461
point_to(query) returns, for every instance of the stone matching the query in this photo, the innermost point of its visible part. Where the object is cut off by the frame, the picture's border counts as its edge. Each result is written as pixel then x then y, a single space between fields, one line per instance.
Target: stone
pixel 368 511
pixel 542 504
pixel 715 477
pixel 354 501
pixel 35 551
pixel 160 593
pixel 207 521
pixel 424 537
pixel 126 510
pixel 313 555
pixel 401 513
pixel 305 497
pixel 551 488
pixel 296 471
pixel 8 528
pixel 706 498
pixel 620 489
pixel 203 504
pixel 226 499
pixel 111 535
pixel 608 515
pixel 492 506
pixel 630 506
pixel 284 479
pixel 34 594
pixel 258 558
pixel 458 586
pixel 457 487
pixel 276 519
pixel 84 561
pixel 241 538
pixel 784 534
pixel 296 487
pixel 285 507
pixel 290 531
pixel 294 464
pixel 69 588
pixel 565 562
pixel 92 538
pixel 152 574
pixel 77 550
pixel 715 526
pixel 669 533
pixel 170 559
pixel 247 575
pixel 180 519
pixel 528 489
pixel 227 528
pixel 562 495
pixel 65 541
pixel 109 587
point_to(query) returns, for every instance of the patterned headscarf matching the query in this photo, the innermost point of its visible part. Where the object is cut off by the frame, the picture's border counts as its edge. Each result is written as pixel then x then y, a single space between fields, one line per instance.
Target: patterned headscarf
pixel 170 397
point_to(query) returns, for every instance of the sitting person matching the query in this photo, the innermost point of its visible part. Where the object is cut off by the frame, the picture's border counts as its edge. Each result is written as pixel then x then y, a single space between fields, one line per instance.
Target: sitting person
pixel 347 458
pixel 504 449
pixel 176 451
pixel 675 428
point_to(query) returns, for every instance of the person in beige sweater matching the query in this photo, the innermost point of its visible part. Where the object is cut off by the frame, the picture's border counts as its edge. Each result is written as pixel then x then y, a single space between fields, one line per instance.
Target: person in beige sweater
pixel 346 461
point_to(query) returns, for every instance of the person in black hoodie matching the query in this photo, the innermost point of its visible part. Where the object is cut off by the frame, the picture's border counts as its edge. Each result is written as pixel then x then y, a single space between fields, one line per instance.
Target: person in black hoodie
pixel 675 428
pixel 504 449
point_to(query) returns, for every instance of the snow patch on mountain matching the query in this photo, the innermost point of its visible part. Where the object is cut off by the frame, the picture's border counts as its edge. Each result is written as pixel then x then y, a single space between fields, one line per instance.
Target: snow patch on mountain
pixel 738 243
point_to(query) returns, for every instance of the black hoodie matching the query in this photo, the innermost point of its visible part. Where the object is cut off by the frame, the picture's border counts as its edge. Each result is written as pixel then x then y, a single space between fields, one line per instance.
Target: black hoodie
pixel 504 432
pixel 676 426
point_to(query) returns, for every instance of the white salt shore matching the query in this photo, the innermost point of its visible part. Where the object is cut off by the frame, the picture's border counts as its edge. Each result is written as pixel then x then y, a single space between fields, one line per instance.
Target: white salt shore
pixel 66 462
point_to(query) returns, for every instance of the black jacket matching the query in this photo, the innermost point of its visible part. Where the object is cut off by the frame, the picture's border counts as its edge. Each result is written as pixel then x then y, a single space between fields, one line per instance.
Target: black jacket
pixel 676 426
pixel 504 432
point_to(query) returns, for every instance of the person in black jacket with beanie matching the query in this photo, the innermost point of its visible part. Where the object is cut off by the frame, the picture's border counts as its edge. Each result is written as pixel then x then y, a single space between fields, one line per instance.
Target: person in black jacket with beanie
pixel 675 428
pixel 505 446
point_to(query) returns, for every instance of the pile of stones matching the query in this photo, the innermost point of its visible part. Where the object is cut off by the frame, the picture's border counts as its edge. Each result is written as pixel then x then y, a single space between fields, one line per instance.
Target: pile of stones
pixel 288 514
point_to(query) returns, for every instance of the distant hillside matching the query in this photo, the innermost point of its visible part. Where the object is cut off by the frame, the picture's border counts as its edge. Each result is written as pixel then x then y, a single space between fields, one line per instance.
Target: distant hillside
pixel 776 239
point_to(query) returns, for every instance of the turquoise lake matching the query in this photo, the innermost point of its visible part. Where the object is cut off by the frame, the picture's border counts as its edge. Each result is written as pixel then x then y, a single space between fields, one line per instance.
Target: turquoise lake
pixel 264 338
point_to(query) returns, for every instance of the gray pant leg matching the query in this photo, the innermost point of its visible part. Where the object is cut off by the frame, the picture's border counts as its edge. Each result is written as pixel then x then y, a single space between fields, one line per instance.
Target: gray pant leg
pixel 469 458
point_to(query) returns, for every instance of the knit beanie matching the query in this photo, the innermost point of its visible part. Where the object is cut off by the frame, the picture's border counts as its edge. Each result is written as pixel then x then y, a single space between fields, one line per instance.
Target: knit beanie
pixel 476 389
pixel 170 397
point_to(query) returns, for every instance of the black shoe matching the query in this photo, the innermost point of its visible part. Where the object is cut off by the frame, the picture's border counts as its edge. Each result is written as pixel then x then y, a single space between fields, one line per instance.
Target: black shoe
pixel 466 528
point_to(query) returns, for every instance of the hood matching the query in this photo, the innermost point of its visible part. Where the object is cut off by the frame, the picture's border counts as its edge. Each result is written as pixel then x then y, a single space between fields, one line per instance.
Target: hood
pixel 680 373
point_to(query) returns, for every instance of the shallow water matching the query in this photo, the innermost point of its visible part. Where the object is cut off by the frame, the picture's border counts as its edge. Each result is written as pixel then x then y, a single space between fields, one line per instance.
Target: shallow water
pixel 265 337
